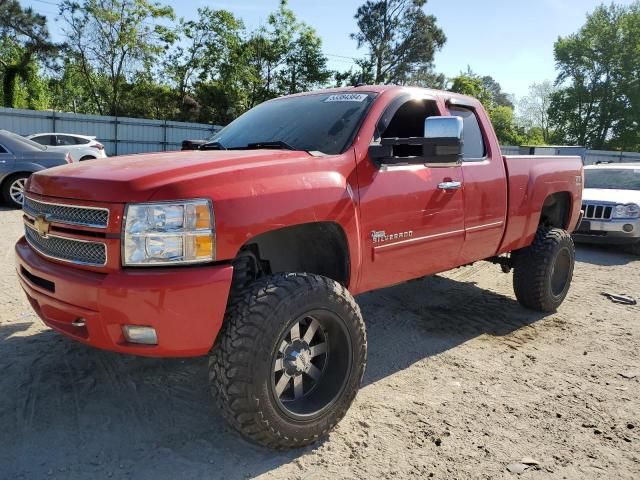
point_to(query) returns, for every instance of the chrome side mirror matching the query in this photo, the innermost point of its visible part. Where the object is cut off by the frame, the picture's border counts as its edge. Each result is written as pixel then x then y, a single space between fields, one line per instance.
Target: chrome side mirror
pixel 444 141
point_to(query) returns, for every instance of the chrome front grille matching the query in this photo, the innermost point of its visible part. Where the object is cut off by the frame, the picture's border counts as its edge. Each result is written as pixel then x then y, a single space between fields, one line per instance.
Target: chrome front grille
pixel 69 250
pixel 595 211
pixel 73 215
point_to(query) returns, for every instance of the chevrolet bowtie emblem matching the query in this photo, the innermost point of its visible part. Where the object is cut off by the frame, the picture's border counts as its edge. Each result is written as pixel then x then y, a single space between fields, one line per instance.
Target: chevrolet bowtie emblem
pixel 42 226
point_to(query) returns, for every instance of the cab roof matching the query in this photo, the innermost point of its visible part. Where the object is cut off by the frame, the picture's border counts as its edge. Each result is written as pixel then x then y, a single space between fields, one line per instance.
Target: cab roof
pixel 380 89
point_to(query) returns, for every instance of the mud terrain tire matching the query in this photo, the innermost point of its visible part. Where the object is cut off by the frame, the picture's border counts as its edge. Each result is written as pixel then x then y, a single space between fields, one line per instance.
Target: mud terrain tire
pixel 543 271
pixel 275 327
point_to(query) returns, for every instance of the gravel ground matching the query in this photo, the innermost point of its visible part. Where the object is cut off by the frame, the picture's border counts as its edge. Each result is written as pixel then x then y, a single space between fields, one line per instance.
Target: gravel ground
pixel 461 383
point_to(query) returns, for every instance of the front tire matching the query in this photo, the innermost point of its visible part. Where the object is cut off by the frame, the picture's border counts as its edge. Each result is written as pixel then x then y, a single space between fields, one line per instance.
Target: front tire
pixel 543 271
pixel 289 360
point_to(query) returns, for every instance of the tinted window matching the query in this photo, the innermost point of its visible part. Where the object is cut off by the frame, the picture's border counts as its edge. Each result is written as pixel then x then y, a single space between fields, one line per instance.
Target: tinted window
pixel 3 150
pixel 45 140
pixel 609 178
pixel 408 121
pixel 66 140
pixel 473 142
pixel 324 122
pixel 80 140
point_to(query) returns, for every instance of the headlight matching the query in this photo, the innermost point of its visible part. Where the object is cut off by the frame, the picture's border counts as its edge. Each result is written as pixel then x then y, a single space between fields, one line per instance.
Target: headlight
pixel 168 233
pixel 630 210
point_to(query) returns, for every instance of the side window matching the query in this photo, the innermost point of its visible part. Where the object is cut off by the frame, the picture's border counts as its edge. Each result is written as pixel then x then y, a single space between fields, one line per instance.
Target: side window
pixel 45 140
pixel 408 121
pixel 80 140
pixel 3 150
pixel 473 148
pixel 66 140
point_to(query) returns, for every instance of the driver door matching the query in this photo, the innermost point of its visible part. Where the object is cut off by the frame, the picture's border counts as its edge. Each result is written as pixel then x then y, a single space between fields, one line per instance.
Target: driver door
pixel 412 215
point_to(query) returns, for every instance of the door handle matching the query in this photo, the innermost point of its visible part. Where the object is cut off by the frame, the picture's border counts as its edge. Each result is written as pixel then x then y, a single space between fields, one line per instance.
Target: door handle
pixel 450 185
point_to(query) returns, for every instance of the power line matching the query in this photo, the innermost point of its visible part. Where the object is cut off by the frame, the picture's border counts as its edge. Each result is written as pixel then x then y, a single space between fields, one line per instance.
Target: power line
pixel 47 3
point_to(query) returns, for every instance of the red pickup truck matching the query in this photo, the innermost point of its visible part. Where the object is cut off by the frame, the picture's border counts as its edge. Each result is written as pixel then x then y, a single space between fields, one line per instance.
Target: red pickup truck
pixel 251 249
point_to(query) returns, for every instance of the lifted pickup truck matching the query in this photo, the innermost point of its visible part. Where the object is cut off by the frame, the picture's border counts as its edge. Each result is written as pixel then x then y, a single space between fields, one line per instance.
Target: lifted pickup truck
pixel 250 250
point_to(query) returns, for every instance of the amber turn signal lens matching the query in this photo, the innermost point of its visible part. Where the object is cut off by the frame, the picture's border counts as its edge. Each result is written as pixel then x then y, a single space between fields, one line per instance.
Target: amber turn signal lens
pixel 204 246
pixel 203 216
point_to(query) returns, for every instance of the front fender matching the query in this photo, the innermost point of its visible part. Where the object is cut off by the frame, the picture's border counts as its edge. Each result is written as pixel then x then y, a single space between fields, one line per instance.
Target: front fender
pixel 259 199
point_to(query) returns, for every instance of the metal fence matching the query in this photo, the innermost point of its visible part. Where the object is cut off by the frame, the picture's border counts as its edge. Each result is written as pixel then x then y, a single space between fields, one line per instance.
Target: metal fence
pixel 590 157
pixel 120 135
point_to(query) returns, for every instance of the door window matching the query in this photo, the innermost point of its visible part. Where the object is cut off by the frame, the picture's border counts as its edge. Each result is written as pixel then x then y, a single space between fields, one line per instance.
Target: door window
pixel 66 140
pixel 47 140
pixel 408 121
pixel 474 147
pixel 3 150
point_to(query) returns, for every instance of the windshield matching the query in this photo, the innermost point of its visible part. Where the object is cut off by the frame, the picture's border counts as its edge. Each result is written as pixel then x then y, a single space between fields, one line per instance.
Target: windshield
pixel 619 179
pixel 323 123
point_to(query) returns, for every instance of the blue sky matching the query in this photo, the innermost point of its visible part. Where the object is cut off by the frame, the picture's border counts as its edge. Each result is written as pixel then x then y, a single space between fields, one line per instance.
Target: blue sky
pixel 511 40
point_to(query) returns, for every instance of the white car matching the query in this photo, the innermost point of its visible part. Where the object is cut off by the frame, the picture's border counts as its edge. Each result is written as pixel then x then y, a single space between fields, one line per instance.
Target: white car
pixel 81 147
pixel 611 205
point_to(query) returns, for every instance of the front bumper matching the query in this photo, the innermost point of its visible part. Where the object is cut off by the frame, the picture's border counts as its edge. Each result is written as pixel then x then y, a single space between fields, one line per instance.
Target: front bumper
pixel 608 232
pixel 185 305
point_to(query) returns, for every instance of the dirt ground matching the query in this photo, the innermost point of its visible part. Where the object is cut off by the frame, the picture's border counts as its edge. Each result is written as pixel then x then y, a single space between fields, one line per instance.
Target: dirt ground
pixel 461 382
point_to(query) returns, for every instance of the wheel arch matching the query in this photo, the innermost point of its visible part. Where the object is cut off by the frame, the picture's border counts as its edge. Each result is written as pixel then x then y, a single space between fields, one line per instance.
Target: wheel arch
pixel 556 210
pixel 14 174
pixel 321 248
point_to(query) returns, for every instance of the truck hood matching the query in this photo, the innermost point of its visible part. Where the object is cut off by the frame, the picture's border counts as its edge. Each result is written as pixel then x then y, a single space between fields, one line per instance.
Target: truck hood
pixel 610 195
pixel 135 178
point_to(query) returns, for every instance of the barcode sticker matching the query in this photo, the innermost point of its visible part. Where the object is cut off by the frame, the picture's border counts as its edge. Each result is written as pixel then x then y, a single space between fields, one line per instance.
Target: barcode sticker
pixel 346 97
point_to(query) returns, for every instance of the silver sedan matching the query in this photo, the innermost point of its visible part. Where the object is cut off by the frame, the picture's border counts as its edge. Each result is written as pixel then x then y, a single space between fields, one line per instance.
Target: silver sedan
pixel 19 158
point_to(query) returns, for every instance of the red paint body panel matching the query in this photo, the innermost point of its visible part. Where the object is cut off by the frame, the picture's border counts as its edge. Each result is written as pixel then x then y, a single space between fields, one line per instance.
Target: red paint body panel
pixel 254 192
pixel 531 180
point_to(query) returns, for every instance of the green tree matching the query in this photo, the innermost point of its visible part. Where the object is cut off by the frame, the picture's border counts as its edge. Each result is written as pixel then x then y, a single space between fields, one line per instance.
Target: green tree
pixel 473 86
pixel 533 112
pixel 401 38
pixel 113 41
pixel 25 39
pixel 495 101
pixel 203 55
pixel 283 57
pixel 598 101
pixel 69 90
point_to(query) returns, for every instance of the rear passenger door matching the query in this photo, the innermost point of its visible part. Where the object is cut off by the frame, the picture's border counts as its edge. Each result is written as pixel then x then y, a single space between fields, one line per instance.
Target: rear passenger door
pixel 485 185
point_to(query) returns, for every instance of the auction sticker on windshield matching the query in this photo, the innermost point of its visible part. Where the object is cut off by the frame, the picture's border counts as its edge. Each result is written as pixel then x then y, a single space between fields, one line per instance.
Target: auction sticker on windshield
pixel 347 97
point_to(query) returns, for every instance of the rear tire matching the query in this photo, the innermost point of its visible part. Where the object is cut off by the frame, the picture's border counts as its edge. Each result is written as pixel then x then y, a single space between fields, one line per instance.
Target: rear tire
pixel 289 360
pixel 13 189
pixel 87 157
pixel 543 271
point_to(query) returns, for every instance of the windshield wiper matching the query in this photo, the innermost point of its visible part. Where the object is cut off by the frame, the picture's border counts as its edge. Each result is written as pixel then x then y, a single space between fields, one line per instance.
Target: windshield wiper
pixel 270 144
pixel 212 146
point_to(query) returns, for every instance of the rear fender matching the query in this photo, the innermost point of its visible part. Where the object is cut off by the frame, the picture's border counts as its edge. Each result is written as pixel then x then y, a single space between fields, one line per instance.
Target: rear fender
pixel 19 166
pixel 531 181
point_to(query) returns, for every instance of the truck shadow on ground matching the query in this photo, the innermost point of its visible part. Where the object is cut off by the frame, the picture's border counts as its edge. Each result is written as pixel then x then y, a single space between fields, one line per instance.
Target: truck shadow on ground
pixel 69 411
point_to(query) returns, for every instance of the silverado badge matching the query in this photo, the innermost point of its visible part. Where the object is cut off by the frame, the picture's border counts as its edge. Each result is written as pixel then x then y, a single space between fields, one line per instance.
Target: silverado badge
pixel 381 236
pixel 42 226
